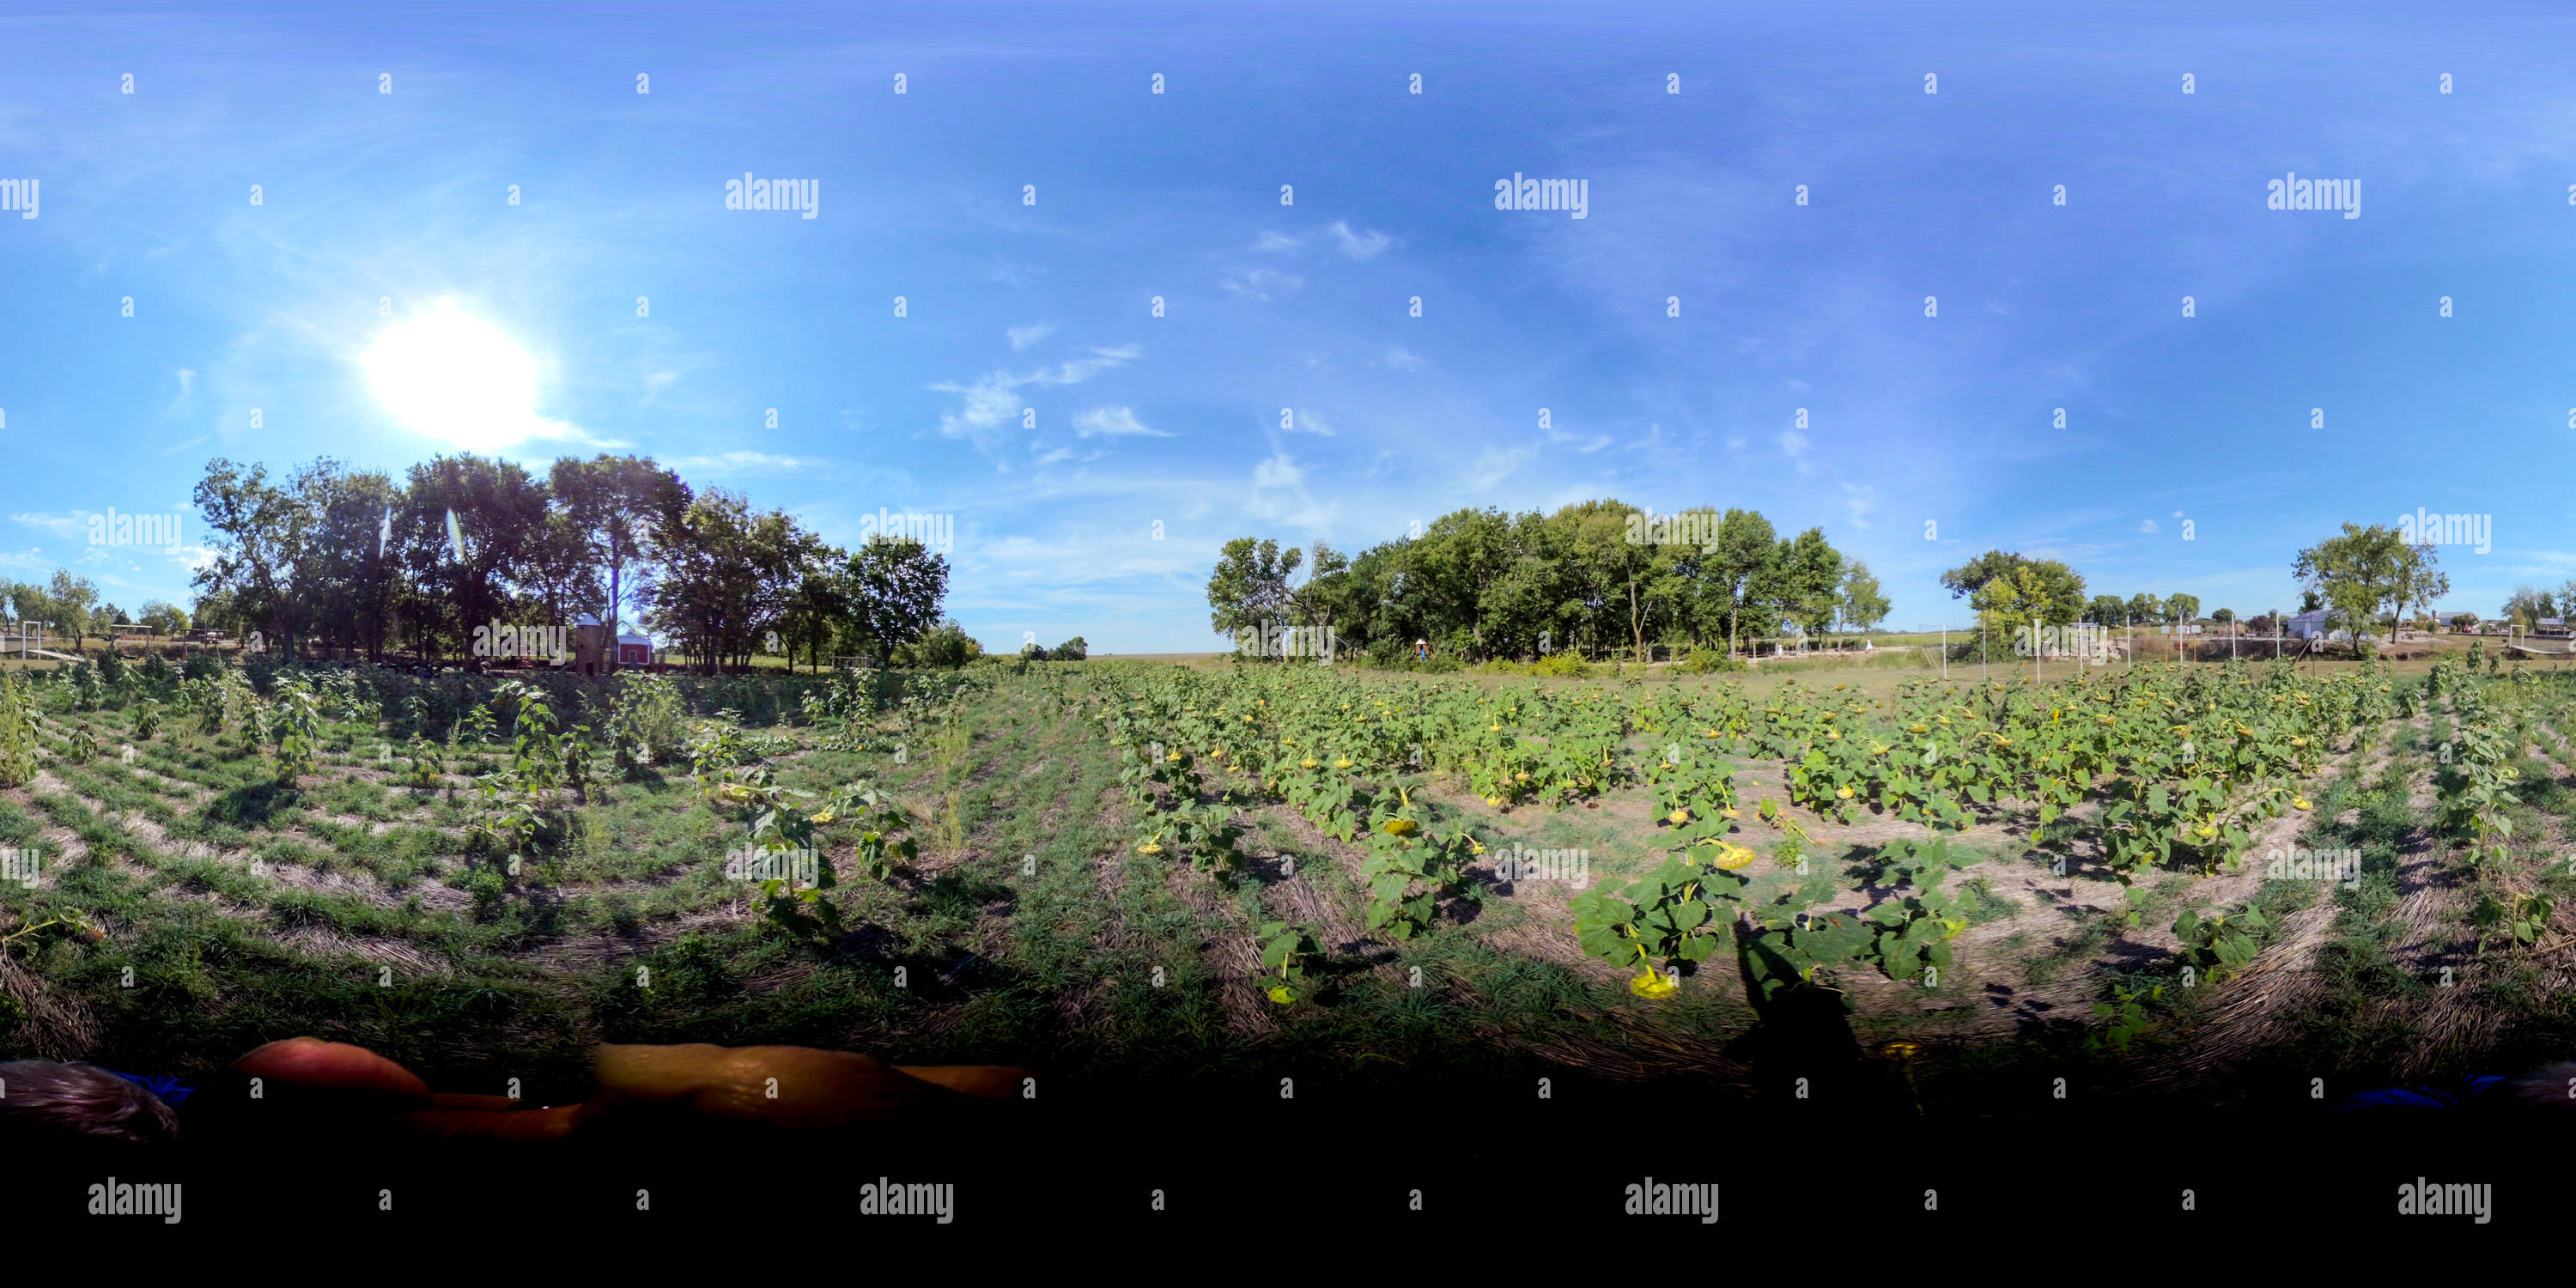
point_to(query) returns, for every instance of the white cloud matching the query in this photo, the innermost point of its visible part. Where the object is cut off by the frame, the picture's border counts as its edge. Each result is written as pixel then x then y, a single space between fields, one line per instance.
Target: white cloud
pixel 1359 245
pixel 1862 500
pixel 2147 525
pixel 1274 243
pixel 1277 471
pixel 1735 444
pixel 1307 422
pixel 748 462
pixel 1261 283
pixel 1494 466
pixel 1401 360
pixel 1113 422
pixel 1024 336
pixel 1279 494
pixel 65 526
pixel 993 401
pixel 1795 445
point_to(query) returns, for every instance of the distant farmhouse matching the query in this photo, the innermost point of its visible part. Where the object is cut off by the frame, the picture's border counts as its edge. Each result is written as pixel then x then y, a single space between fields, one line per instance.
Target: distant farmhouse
pixel 2311 625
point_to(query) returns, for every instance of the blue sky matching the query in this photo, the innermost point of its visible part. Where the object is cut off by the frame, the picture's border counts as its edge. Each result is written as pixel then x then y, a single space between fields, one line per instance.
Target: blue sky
pixel 402 197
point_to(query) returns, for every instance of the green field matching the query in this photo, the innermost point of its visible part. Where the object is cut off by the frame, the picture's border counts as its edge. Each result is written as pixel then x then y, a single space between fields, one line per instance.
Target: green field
pixel 437 894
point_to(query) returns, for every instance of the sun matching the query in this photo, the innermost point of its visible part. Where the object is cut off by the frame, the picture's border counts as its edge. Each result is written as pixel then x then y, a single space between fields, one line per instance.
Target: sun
pixel 445 374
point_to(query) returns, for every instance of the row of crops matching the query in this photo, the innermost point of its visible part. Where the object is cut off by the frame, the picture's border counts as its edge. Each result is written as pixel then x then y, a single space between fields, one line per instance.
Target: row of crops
pixel 536 766
pixel 2160 767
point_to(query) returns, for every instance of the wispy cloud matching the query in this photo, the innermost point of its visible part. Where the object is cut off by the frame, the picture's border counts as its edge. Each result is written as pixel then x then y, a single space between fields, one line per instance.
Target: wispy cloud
pixel 65 526
pixel 1862 501
pixel 1495 465
pixel 1794 444
pixel 1263 284
pixel 992 401
pixel 750 463
pixel 1359 245
pixel 1275 243
pixel 1024 336
pixel 1113 422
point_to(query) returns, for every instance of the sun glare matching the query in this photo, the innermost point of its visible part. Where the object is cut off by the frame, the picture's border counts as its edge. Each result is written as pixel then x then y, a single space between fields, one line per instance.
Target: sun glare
pixel 449 375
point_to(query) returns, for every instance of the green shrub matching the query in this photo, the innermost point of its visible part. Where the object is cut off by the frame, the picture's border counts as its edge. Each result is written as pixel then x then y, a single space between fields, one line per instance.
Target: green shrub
pixel 947 645
pixel 1560 664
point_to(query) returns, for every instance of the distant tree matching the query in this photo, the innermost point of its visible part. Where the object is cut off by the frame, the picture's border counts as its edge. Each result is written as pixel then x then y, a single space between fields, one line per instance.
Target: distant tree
pixel 2005 601
pixel 1313 604
pixel 2182 610
pixel 891 594
pixel 2464 622
pixel 1744 548
pixel 945 645
pixel 2423 577
pixel 164 619
pixel 2106 610
pixel 2146 610
pixel 2223 616
pixel 1863 606
pixel 613 502
pixel 2527 606
pixel 2361 577
pixel 1249 590
pixel 75 603
pixel 1072 650
pixel 1805 583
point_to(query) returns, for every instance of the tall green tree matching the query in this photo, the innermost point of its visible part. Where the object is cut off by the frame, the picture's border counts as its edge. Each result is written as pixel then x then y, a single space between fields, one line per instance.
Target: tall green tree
pixel 1249 590
pixel 1862 605
pixel 892 589
pixel 2361 577
pixel 616 503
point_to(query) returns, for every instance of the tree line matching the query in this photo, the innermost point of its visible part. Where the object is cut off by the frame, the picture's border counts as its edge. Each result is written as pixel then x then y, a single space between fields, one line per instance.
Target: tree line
pixel 1605 577
pixel 70 605
pixel 337 558
pixel 1601 577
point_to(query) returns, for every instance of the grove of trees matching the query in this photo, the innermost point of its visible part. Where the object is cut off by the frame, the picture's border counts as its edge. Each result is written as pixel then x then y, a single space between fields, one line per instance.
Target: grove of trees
pixel 331 557
pixel 1484 584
